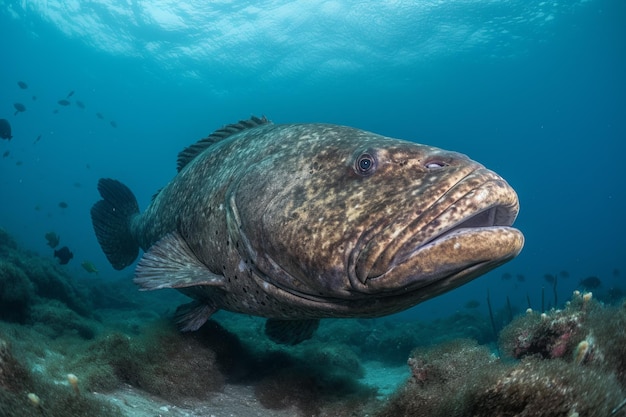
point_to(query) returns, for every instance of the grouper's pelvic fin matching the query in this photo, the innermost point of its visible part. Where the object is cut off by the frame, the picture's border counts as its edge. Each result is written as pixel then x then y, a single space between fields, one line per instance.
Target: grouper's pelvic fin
pixel 197 148
pixel 111 218
pixel 191 316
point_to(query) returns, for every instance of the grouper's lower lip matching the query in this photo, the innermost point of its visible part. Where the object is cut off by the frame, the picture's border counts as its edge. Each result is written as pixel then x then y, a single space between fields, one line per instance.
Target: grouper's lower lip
pixel 450 260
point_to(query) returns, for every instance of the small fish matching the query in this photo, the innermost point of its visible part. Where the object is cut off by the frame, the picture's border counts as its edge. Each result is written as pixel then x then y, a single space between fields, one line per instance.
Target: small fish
pixel 590 283
pixel 64 102
pixel 37 139
pixel 615 273
pixel 19 163
pixel 64 255
pixel 52 238
pixel 5 154
pixel 5 129
pixel 34 98
pixel 564 274
pixel 80 104
pixel 113 123
pixel 99 116
pixel 472 304
pixel 549 278
pixel 70 94
pixel 286 222
pixel 506 276
pixel 22 85
pixel 19 108
pixel 77 184
pixel 520 278
pixel 63 204
pixel 89 267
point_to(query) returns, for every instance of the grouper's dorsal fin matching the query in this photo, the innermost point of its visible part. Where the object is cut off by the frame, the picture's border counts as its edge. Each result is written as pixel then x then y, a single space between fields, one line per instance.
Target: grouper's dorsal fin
pixel 197 148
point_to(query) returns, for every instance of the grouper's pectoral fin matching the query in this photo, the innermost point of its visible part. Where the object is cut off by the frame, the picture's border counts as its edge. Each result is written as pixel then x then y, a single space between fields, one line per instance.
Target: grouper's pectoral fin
pixel 170 263
pixel 290 332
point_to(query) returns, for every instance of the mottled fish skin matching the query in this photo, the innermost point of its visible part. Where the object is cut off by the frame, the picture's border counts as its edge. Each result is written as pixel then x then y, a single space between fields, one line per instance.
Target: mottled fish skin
pixel 286 224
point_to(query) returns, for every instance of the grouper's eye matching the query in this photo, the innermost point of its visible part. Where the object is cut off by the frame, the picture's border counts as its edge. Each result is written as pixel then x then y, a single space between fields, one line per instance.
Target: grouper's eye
pixel 365 164
pixel 433 165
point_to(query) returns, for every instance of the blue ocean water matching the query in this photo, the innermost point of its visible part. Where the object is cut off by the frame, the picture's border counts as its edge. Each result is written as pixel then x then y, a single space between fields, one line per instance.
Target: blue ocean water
pixel 534 90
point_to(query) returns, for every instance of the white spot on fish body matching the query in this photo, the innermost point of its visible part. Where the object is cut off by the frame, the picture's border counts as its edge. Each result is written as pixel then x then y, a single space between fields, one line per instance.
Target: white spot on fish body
pixel 457 246
pixel 482 195
pixel 221 207
pixel 242 265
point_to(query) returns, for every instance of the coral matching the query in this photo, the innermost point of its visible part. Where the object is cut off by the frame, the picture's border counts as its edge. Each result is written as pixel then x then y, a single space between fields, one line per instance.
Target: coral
pixel 547 388
pixel 555 334
pixel 585 333
pixel 462 379
pixel 442 379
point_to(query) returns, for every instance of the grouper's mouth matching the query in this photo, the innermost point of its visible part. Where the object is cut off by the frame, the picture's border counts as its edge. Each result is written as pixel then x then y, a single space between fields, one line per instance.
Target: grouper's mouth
pixel 463 234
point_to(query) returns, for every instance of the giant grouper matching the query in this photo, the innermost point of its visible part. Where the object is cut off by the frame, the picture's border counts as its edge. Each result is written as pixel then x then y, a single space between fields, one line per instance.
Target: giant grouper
pixel 298 222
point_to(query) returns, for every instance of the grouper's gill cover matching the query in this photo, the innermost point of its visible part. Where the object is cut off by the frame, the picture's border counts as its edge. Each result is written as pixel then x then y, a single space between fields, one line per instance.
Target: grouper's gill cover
pixel 298 222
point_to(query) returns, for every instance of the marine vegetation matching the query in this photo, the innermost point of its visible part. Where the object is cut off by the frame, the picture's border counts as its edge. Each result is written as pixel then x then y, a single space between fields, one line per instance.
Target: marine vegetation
pixel 37 290
pixel 465 379
pixel 585 333
pixel 25 394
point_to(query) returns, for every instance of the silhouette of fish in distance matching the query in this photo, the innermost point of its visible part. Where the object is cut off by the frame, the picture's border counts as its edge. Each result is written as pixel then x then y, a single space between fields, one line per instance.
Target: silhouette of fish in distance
pixel 64 255
pixel 298 222
pixel 5 129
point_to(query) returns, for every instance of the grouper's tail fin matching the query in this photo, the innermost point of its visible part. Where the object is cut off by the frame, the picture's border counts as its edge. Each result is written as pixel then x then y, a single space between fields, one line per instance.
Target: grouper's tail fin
pixel 111 218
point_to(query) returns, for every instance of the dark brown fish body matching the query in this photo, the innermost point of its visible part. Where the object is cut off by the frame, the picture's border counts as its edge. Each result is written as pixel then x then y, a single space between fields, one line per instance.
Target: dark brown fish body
pixel 307 221
pixel 63 255
pixel 5 129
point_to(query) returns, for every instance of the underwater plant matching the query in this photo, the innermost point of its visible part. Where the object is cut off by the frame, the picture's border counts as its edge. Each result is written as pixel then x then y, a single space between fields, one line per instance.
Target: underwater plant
pixel 25 394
